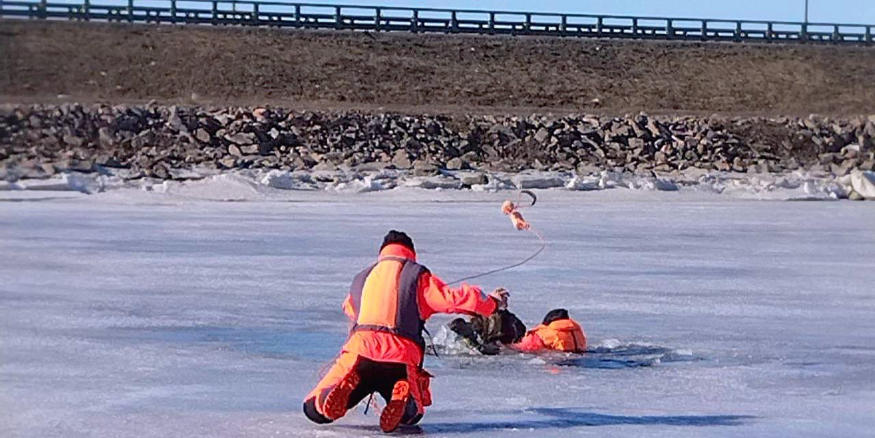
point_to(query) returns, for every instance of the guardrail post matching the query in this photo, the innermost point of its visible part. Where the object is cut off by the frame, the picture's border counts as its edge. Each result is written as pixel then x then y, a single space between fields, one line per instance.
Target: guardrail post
pixel 338 20
pixel 214 18
pixel 669 29
pixel 528 22
pixel 414 22
pixel 256 20
pixel 173 11
pixel 454 22
pixel 769 32
pixel 868 34
pixel 803 35
pixel 635 26
pixel 564 26
pixel 737 31
pixel 377 18
pixel 86 10
pixel 130 11
pixel 491 23
pixel 704 29
pixel 298 15
pixel 598 26
pixel 836 36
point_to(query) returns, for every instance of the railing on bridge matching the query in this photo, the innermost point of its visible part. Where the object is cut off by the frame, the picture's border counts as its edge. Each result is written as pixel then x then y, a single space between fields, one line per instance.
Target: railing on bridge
pixel 387 19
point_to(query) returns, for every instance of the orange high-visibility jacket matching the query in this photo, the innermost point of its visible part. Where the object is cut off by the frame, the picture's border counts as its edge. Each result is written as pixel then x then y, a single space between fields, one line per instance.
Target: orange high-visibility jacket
pixel 390 301
pixel 559 335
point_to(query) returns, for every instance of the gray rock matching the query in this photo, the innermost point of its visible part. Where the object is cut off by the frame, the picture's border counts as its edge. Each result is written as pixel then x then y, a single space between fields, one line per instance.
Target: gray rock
pixel 202 135
pixel 79 166
pixel 473 178
pixel 588 169
pixel 242 138
pixel 542 135
pixel 250 149
pixel 401 160
pixel 105 137
pixel 455 164
pixel 160 171
pixel 423 168
pixel 175 122
pixel 228 162
pixel 48 168
pixel 73 140
pixel 374 166
pixel 636 143
pixel 235 151
pixel 325 165
pixel 660 157
pixel 843 169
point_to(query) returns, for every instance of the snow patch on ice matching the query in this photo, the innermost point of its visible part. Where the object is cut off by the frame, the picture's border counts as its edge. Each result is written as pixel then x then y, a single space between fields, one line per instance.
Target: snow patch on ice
pixel 864 183
pixel 540 180
pixel 278 184
pixel 286 180
pixel 224 187
pixel 434 182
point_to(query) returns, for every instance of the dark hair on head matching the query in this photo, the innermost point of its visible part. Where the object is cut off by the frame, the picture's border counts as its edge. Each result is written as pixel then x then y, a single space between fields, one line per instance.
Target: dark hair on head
pixel 400 237
pixel 555 315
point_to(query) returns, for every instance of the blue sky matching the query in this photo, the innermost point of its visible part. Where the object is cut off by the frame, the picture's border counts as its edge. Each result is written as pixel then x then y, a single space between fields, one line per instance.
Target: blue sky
pixel 827 11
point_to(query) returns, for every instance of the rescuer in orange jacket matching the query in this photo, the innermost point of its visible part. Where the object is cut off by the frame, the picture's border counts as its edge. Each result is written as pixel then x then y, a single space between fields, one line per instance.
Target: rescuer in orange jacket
pixel 388 304
pixel 558 332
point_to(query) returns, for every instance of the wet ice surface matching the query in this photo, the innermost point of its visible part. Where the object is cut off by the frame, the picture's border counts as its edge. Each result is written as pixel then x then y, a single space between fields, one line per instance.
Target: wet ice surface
pixel 155 316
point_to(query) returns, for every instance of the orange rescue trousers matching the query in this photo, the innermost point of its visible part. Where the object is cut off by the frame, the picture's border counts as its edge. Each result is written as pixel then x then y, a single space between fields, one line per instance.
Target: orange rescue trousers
pixel 354 377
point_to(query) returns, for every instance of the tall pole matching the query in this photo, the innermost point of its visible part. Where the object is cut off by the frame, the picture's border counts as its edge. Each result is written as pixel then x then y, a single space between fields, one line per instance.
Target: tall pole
pixel 806 11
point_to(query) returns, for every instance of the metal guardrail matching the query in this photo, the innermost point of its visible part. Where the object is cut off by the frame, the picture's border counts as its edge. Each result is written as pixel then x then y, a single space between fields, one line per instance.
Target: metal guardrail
pixel 398 19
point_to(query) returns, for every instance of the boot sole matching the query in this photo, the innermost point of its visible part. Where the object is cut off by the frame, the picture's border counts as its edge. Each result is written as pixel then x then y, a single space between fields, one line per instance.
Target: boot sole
pixel 390 419
pixel 335 405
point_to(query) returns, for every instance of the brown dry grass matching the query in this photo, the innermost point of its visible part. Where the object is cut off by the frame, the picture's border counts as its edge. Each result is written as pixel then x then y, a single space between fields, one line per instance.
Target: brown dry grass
pixel 426 73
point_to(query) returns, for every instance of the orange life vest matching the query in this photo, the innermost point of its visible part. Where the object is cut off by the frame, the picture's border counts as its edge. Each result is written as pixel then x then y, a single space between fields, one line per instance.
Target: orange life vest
pixel 562 335
pixel 384 298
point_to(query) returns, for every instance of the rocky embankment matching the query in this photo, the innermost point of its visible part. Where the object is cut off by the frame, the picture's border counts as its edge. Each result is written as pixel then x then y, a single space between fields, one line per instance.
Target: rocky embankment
pixel 169 142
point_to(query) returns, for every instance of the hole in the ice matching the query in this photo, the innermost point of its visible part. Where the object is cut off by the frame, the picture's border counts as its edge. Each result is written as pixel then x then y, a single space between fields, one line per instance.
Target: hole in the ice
pixel 609 354
pixel 627 356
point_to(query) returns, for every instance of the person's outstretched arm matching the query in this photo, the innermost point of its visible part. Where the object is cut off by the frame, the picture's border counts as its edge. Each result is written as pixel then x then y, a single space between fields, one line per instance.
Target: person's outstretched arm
pixel 436 297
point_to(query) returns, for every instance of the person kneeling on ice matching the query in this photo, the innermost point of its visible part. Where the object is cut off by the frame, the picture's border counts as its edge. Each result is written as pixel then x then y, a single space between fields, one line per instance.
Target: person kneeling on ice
pixel 388 304
pixel 558 332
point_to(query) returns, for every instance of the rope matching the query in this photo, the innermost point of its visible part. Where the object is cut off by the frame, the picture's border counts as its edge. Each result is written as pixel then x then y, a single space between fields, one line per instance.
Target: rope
pixel 508 267
pixel 368 405
pixel 518 206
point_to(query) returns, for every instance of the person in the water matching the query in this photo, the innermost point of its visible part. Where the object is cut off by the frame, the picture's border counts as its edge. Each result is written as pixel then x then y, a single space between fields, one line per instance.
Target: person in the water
pixel 557 332
pixel 488 334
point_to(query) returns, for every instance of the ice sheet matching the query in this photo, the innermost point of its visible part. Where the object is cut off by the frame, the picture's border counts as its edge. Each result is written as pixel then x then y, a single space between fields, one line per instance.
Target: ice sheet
pixel 150 314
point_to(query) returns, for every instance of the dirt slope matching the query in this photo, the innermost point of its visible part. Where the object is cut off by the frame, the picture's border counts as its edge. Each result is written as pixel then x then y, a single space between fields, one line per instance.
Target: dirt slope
pixel 126 63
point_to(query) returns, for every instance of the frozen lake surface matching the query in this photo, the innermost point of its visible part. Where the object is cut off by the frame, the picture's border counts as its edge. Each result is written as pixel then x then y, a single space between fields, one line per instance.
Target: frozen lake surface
pixel 139 315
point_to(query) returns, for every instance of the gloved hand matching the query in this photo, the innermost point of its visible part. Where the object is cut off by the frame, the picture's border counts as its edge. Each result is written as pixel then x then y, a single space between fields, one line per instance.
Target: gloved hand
pixel 500 295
